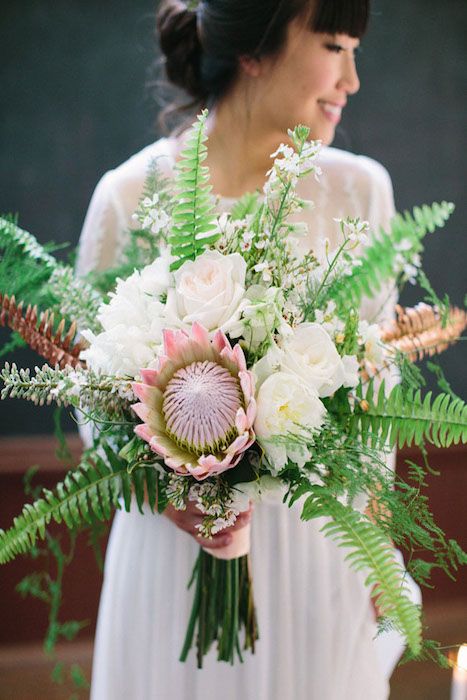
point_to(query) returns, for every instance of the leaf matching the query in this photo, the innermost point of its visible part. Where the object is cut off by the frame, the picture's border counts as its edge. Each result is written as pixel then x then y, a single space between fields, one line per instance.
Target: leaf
pixel 194 212
pixel 409 418
pixel 90 491
pixel 370 551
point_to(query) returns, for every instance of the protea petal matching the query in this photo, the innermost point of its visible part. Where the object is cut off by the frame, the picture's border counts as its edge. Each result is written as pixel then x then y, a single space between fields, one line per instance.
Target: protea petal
pixel 147 394
pixel 171 342
pixel 241 422
pixel 247 382
pixel 239 357
pixel 142 410
pixel 198 407
pixel 144 432
pixel 239 443
pixel 149 376
pixel 251 412
pixel 220 341
pixel 200 335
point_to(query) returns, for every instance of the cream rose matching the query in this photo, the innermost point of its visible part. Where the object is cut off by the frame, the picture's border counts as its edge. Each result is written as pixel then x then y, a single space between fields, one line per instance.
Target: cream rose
pixel 209 290
pixel 311 354
pixel 286 405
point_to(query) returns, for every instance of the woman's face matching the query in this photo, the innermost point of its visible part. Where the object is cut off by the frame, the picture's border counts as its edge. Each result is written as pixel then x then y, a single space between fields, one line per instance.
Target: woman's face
pixel 308 83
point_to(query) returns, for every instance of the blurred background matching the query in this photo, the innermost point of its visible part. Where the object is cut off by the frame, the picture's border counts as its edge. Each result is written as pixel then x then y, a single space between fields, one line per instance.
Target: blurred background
pixel 79 96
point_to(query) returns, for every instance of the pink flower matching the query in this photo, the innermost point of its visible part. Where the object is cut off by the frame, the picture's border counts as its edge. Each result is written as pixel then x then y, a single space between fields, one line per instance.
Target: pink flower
pixel 198 407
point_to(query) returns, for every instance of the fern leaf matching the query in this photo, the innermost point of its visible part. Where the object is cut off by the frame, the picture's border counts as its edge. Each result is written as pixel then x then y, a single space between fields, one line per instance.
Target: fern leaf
pixel 11 235
pixel 421 330
pixel 193 214
pixel 56 346
pixel 89 491
pixel 371 552
pixel 409 418
pixel 247 205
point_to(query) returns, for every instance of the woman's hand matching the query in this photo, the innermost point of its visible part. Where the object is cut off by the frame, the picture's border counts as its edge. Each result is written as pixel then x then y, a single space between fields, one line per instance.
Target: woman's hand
pixel 188 519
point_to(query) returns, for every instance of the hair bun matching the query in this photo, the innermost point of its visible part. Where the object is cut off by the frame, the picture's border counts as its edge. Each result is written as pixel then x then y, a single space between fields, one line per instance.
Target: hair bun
pixel 179 41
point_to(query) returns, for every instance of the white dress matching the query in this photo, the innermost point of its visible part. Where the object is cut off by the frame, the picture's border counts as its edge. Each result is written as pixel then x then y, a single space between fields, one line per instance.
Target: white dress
pixel 315 619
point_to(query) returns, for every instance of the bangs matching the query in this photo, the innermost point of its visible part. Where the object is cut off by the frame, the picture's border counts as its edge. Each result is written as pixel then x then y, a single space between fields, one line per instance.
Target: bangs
pixel 341 17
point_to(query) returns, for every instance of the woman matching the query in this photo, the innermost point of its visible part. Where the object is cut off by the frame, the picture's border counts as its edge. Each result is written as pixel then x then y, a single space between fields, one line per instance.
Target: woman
pixel 262 66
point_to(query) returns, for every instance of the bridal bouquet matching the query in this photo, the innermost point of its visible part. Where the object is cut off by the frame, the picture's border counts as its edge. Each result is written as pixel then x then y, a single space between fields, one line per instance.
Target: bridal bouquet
pixel 218 365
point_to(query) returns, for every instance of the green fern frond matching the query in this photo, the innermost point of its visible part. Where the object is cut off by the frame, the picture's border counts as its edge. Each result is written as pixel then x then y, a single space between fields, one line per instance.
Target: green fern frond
pixel 406 418
pixel 31 273
pixel 11 235
pixel 247 205
pixel 193 214
pixel 370 551
pixel 89 492
pixel 379 257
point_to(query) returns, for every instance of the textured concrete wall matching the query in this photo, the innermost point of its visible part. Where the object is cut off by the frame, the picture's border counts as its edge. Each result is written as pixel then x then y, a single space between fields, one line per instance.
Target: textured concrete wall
pixel 74 103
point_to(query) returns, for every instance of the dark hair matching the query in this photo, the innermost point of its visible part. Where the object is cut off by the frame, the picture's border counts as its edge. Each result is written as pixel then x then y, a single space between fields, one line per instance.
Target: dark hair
pixel 202 46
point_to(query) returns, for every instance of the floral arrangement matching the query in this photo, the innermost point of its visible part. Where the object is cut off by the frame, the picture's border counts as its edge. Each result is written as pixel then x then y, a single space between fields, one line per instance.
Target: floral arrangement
pixel 220 365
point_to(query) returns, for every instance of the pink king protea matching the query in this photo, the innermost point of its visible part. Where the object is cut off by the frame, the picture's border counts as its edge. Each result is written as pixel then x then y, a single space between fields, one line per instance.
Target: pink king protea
pixel 198 408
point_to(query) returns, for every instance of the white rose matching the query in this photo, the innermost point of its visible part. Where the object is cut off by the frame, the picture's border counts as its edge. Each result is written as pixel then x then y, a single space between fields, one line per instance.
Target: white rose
pixel 285 405
pixel 310 353
pixel 209 290
pixel 270 362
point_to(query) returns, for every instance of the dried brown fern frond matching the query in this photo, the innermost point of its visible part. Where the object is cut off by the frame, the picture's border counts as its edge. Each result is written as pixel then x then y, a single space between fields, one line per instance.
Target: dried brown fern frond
pixel 55 347
pixel 418 331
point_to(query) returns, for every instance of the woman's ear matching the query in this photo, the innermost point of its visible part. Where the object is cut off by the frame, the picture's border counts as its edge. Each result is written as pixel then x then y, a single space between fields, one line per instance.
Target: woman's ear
pixel 250 66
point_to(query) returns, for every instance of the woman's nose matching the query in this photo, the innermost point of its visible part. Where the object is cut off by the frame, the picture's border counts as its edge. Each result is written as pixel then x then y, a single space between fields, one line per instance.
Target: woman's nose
pixel 349 80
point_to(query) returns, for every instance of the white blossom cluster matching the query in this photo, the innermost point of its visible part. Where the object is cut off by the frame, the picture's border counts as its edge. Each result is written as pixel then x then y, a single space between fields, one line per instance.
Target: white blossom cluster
pixel 78 387
pixel 177 491
pixel 152 216
pixel 217 503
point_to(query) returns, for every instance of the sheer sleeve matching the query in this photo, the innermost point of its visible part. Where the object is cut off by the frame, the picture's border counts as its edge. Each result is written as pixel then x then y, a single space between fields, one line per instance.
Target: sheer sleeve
pixel 103 229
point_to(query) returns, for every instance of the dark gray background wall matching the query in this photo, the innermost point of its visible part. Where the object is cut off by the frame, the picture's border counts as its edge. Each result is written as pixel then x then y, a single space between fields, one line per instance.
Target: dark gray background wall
pixel 74 102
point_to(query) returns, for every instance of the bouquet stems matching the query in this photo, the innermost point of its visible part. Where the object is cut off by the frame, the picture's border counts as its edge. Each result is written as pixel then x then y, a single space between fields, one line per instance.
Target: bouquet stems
pixel 223 605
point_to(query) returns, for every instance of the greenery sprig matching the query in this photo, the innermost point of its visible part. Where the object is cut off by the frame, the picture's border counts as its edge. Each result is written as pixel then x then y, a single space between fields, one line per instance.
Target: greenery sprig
pixel 193 214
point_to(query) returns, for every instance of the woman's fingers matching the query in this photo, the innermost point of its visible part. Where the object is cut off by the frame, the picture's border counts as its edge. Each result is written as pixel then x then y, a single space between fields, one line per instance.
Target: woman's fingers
pixel 217 542
pixel 191 518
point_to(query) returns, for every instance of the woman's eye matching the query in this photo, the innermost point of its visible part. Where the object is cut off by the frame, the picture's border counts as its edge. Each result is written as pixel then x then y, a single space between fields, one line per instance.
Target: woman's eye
pixel 336 48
